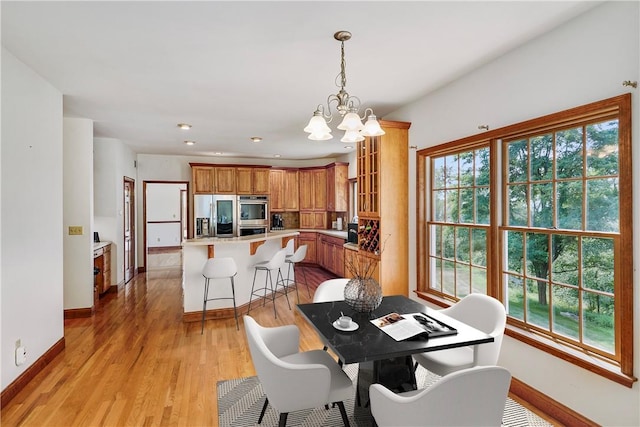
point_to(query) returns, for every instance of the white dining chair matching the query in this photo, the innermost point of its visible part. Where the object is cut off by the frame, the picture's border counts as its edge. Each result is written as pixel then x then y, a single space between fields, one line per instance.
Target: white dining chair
pixel 330 290
pixel 481 312
pixel 469 397
pixel 294 380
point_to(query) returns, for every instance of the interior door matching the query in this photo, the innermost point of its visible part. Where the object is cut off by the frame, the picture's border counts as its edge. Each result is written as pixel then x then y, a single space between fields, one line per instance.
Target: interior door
pixel 129 230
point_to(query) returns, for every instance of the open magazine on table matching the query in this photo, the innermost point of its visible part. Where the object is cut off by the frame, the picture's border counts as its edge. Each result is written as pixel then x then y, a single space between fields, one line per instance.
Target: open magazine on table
pixel 405 326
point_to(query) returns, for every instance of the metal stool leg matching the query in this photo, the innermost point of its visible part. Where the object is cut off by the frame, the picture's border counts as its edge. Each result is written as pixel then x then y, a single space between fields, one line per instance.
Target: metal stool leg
pixel 204 303
pixel 235 310
pixel 283 285
pixel 273 294
pixel 252 287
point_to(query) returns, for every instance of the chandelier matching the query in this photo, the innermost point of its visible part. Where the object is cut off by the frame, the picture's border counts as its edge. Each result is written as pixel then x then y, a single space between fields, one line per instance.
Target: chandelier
pixel 347 106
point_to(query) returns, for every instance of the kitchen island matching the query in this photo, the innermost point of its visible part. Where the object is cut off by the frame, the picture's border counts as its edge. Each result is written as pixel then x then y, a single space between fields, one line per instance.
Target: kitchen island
pixel 246 251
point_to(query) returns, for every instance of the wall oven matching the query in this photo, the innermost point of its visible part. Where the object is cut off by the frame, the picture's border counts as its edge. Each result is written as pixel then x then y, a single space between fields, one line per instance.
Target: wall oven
pixel 253 211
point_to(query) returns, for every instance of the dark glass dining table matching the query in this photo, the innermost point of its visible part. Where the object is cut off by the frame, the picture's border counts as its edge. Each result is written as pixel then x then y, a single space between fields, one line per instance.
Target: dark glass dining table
pixel 381 358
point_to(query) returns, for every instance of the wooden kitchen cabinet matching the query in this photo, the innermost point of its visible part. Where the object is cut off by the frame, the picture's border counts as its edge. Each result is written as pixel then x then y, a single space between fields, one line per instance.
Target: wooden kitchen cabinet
pixel 202 179
pixel 383 200
pixel 313 189
pixel 331 253
pixel 225 180
pixel 102 261
pixel 338 187
pixel 251 180
pixel 313 220
pixel 283 190
pixel 291 191
pixel 309 239
pixel 276 190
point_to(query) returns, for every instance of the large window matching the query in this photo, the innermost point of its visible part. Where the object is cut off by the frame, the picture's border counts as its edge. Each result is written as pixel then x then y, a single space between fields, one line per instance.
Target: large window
pixel 538 215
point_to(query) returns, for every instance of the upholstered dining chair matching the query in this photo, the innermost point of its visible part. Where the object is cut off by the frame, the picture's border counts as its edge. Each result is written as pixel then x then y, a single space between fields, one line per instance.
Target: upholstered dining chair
pixel 294 380
pixel 469 397
pixel 330 290
pixel 482 312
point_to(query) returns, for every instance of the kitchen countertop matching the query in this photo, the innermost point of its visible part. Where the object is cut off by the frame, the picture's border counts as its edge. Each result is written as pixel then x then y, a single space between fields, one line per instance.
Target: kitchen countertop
pixel 334 233
pixel 241 239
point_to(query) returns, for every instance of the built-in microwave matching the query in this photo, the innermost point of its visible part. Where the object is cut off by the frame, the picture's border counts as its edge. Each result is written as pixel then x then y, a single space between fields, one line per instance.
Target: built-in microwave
pixel 253 211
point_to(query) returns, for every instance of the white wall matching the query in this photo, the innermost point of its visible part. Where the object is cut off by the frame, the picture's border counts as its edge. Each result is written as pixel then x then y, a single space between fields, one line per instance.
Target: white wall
pixel 583 61
pixel 31 280
pixel 78 211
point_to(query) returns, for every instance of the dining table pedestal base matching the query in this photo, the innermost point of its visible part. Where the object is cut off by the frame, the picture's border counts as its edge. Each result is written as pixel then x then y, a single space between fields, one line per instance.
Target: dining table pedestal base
pixel 397 374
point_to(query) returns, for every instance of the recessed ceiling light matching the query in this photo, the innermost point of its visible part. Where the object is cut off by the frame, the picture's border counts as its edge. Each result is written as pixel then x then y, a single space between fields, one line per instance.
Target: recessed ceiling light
pixel 218 153
pixel 276 155
pixel 348 147
pixel 256 139
pixel 190 142
pixel 184 126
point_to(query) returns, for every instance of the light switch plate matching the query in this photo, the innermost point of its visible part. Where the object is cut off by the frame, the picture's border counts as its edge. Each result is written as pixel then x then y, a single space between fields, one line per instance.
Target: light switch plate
pixel 75 230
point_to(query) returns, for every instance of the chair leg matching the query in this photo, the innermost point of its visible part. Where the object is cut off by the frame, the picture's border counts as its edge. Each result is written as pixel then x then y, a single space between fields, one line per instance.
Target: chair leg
pixel 343 412
pixel 284 285
pixel 255 272
pixel 204 303
pixel 235 310
pixel 295 281
pixel 304 273
pixel 283 420
pixel 273 292
pixel 264 409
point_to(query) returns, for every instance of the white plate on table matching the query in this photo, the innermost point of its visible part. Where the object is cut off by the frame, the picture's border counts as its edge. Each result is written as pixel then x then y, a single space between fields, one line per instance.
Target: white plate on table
pixel 349 328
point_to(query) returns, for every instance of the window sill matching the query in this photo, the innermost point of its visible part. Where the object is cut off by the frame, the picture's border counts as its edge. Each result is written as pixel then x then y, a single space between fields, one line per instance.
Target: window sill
pixel 563 351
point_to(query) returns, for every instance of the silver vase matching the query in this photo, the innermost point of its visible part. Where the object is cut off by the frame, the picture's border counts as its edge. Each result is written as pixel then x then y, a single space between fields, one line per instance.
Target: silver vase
pixel 363 295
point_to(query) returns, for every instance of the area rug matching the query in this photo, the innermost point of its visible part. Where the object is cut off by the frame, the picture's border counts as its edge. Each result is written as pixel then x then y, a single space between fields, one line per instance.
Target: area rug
pixel 240 402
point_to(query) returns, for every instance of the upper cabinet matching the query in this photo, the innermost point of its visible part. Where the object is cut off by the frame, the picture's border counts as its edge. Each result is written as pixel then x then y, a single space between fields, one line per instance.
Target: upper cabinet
pixel 202 179
pixel 252 180
pixel 338 187
pixel 283 190
pixel 222 179
pixel 225 180
pixel 313 189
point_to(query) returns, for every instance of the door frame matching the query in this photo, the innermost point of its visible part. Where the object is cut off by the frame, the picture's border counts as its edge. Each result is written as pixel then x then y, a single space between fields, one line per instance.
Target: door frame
pixel 132 224
pixel 144 214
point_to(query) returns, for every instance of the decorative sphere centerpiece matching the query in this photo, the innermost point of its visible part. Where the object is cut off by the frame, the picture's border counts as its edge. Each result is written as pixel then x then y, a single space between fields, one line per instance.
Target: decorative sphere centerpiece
pixel 363 294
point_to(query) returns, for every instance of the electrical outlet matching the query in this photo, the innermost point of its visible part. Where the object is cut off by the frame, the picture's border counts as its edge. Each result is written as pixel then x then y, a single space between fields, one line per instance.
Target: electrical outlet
pixel 75 230
pixel 21 353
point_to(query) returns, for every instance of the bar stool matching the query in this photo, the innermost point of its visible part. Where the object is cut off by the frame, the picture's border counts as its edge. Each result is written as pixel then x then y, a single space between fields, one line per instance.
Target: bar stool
pixel 298 256
pixel 275 263
pixel 219 268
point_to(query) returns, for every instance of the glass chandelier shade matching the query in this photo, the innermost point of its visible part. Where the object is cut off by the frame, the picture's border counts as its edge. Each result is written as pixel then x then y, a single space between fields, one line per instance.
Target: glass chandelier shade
pixel 347 106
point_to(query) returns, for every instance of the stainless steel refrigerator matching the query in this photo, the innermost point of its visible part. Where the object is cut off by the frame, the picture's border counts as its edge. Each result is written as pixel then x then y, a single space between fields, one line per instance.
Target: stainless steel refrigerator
pixel 214 215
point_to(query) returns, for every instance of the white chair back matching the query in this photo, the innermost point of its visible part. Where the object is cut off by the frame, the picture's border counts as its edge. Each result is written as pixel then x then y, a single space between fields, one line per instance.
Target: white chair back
pixel 469 397
pixel 299 254
pixel 330 290
pixel 285 384
pixel 277 260
pixel 216 268
pixel 486 314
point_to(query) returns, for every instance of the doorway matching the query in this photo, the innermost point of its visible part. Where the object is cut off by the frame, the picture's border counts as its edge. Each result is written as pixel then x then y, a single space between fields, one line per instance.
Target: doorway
pixel 129 229
pixel 165 213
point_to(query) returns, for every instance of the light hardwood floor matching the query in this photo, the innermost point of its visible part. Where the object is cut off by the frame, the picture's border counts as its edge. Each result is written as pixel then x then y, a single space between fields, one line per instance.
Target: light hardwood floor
pixel 135 363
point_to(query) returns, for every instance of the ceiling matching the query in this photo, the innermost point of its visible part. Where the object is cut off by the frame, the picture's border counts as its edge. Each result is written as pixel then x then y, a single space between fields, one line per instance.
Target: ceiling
pixel 240 69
